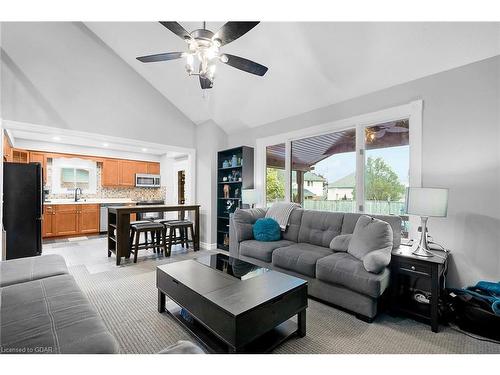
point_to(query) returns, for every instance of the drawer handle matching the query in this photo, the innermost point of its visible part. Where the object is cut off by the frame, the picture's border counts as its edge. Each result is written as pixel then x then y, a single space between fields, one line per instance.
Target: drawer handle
pixel 412 270
pixel 175 281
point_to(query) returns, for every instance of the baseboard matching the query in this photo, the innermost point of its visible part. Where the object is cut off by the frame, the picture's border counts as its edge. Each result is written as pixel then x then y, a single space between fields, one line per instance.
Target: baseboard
pixel 208 246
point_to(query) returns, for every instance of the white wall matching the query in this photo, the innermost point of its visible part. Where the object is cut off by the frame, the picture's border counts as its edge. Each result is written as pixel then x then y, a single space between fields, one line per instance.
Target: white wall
pixel 210 138
pixel 461 151
pixel 61 74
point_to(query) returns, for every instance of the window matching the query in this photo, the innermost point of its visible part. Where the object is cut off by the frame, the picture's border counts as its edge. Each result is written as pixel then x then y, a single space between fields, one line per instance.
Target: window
pixel 69 174
pixel 360 164
pixel 387 166
pixel 275 173
pixel 324 171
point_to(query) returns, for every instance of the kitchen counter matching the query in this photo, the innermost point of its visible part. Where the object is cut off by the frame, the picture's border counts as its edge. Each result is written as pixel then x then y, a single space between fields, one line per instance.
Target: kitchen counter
pixel 53 202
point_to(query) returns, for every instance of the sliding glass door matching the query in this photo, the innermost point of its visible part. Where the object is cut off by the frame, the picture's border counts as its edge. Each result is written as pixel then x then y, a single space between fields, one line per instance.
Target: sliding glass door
pixel 323 171
pixel 275 173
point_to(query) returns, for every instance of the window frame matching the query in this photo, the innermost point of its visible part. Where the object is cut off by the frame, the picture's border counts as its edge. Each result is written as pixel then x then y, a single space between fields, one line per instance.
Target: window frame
pixel 412 111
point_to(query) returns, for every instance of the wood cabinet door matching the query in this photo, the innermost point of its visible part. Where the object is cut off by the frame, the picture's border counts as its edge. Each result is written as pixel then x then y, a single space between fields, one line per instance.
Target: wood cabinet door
pixel 153 168
pixel 89 218
pixel 66 220
pixel 128 170
pixel 38 157
pixel 48 221
pixel 110 173
pixel 141 167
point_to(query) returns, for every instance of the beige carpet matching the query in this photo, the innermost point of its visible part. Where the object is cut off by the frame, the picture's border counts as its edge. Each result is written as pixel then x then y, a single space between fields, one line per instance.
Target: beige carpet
pixel 126 298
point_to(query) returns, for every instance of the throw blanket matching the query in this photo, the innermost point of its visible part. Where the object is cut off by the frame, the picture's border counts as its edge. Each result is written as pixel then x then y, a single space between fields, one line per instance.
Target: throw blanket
pixel 281 213
pixel 488 292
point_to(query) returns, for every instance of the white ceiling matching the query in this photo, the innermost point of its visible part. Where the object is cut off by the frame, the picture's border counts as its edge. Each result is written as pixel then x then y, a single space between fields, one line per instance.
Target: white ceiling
pixel 311 65
pixel 38 137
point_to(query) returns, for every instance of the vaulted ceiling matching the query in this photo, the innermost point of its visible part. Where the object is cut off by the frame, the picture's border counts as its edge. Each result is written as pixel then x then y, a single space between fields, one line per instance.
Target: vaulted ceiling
pixel 311 65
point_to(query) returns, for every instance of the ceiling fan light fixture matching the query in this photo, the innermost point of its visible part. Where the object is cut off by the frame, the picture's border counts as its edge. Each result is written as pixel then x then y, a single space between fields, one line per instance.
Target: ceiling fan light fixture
pixel 204 50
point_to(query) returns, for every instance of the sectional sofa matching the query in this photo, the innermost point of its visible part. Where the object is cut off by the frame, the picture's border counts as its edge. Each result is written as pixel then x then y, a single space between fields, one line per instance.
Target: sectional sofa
pixel 336 277
pixel 44 311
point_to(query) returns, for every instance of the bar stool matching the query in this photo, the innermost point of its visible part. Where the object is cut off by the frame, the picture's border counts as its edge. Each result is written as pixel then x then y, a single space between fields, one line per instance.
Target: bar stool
pixel 155 230
pixel 171 228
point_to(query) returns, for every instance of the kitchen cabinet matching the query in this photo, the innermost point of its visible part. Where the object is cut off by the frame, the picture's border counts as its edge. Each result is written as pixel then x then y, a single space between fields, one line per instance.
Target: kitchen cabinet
pixel 88 219
pixel 110 174
pixel 127 172
pixel 122 172
pixel 39 157
pixel 70 219
pixel 66 220
pixel 48 222
pixel 7 149
pixel 153 168
pixel 20 156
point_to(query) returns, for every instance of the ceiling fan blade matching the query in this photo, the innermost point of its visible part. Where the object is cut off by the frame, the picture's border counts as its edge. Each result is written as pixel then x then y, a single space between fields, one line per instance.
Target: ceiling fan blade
pixel 205 83
pixel 243 64
pixel 233 30
pixel 177 29
pixel 161 57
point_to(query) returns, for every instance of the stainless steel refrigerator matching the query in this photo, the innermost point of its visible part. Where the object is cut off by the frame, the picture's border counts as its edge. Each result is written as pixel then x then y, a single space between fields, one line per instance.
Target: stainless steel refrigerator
pixel 22 209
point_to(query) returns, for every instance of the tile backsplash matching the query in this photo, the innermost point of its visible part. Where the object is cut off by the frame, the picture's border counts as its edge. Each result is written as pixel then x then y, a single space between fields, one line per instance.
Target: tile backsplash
pixel 133 193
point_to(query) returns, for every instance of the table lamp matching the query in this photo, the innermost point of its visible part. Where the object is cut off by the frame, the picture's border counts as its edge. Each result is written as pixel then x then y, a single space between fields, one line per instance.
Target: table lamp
pixel 250 197
pixel 426 202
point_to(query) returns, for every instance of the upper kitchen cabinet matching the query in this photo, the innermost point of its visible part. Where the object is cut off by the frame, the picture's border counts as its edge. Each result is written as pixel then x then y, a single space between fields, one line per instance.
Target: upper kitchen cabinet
pixel 153 168
pixel 117 173
pixel 7 149
pixel 39 157
pixel 20 156
pixel 128 170
pixel 110 172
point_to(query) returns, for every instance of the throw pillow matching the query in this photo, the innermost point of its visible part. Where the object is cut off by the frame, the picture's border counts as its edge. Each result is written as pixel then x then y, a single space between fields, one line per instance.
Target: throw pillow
pixel 266 229
pixel 369 234
pixel 340 242
pixel 377 260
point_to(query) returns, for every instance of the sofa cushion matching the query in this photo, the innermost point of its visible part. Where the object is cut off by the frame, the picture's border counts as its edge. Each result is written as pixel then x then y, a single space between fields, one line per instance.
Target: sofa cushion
pixel 350 220
pixel 340 242
pixel 51 315
pixel 261 250
pixel 319 227
pixel 348 271
pixel 17 271
pixel 292 231
pixel 369 234
pixel 266 229
pixel 300 257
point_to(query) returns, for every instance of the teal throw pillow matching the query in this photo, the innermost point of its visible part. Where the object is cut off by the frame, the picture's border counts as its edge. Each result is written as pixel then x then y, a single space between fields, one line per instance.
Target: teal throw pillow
pixel 266 229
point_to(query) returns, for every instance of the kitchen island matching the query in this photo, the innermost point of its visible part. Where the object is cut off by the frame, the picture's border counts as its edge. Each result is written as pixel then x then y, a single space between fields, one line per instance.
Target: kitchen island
pixel 119 225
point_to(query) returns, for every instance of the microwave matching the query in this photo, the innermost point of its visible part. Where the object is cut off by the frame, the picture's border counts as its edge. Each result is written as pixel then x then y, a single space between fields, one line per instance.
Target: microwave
pixel 147 180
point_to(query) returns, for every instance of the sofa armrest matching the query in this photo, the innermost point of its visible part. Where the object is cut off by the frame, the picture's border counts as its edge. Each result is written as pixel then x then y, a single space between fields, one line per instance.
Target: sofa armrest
pixel 240 227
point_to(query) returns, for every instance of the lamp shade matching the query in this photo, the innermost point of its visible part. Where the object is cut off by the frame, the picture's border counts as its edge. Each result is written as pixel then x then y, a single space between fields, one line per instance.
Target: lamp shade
pixel 249 196
pixel 428 202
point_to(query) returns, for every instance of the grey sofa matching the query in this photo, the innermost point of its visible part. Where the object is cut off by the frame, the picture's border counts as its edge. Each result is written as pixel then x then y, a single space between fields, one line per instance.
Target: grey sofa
pixel 335 277
pixel 44 311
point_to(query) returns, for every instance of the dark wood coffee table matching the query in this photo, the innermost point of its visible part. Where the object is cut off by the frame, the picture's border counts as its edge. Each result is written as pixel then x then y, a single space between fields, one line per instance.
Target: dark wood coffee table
pixel 233 306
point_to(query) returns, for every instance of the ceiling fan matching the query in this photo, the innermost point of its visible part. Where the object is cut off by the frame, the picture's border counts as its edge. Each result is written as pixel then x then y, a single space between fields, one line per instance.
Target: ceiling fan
pixel 204 48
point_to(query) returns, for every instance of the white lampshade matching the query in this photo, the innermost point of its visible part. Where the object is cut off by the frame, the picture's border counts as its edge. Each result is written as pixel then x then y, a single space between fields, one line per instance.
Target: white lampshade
pixel 249 196
pixel 427 202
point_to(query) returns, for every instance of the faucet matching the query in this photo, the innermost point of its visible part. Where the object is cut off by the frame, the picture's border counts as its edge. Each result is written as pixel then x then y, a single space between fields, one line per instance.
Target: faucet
pixel 76 194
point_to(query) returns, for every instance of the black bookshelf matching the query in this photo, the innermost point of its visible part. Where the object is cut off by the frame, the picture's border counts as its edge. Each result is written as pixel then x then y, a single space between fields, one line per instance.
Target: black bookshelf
pixel 234 177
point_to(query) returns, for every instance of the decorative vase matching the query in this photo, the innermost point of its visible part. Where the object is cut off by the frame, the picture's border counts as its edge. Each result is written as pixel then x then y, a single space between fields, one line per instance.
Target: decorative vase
pixel 225 164
pixel 234 161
